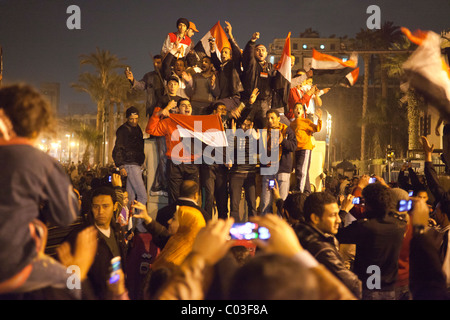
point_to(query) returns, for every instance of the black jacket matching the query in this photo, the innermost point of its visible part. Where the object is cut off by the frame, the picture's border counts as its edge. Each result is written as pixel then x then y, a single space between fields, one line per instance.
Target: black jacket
pixel 378 242
pixel 323 248
pixel 129 147
pixel 256 75
pixel 228 73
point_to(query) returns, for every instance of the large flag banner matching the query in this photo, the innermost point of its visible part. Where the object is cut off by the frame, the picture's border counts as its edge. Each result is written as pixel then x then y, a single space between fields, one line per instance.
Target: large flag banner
pixel 322 61
pixel 208 128
pixel 221 40
pixel 427 71
pixel 282 81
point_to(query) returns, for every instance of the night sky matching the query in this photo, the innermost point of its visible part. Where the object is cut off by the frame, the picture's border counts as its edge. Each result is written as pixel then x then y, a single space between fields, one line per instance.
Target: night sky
pixel 38 47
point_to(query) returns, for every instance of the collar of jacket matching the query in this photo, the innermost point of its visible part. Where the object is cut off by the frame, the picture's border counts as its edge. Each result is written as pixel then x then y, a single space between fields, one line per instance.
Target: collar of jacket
pixel 311 233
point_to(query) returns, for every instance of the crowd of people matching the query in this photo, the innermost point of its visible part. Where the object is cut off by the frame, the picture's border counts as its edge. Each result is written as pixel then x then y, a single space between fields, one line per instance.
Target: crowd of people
pixel 364 239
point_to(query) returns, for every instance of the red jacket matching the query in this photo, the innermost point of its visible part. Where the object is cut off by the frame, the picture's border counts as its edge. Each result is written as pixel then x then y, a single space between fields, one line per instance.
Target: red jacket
pixel 166 127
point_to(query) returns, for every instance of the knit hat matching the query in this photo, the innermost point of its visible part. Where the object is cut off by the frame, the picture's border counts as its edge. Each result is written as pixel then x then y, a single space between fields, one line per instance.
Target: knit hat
pixel 131 111
pixel 399 194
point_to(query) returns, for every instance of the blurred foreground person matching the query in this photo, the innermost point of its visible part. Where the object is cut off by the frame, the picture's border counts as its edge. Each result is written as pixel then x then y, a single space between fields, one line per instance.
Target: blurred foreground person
pixel 34 190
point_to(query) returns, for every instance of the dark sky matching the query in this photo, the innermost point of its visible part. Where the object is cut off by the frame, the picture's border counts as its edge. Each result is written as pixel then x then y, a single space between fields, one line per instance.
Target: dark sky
pixel 38 47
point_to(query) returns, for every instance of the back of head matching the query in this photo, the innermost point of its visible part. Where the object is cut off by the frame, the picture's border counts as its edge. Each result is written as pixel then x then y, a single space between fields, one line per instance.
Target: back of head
pixel 273 277
pixel 189 189
pixel 444 205
pixel 26 109
pixel 378 200
pixel 315 204
pixel 398 194
pixel 294 204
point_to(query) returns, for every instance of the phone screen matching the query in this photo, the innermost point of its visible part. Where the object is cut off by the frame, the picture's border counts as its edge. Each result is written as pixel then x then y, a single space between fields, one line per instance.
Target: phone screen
pixel 115 267
pixel 248 231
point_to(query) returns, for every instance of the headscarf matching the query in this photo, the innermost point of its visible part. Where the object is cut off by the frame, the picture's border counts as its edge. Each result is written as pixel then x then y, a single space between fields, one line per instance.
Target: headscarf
pixel 180 244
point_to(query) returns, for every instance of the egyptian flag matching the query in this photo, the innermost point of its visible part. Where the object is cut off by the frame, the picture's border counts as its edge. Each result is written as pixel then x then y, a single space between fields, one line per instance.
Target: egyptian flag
pixel 208 128
pixel 427 71
pixel 326 64
pixel 282 80
pixel 350 79
pixel 202 47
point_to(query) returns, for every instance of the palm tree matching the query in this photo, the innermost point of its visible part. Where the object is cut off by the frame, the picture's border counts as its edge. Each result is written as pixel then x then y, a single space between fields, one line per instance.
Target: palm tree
pixel 98 83
pixel 393 65
pixel 364 41
pixel 91 137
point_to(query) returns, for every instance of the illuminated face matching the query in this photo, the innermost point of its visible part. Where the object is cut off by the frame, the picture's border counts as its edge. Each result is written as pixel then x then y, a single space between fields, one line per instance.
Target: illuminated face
pixel 298 110
pixel 133 120
pixel 307 82
pixel 423 195
pixel 182 28
pixel 221 110
pixel 206 64
pixel 190 33
pixel 103 210
pixel 173 86
pixel 273 120
pixel 226 54
pixel 261 53
pixel 247 125
pixel 157 63
pixel 330 220
pixel 179 67
pixel 185 108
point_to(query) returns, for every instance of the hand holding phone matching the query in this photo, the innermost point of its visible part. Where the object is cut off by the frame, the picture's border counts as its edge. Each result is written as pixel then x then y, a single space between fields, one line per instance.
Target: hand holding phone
pixel 248 231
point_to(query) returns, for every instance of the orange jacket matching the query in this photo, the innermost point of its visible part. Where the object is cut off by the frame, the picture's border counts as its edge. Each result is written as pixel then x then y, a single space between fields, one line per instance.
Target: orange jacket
pixel 304 128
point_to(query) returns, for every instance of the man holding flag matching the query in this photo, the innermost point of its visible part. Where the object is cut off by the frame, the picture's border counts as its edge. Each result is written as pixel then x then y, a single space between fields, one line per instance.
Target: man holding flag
pixel 184 135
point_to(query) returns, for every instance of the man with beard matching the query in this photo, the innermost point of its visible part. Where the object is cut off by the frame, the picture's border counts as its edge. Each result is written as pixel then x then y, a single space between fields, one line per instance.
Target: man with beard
pixel 257 73
pixel 228 68
pixel 201 87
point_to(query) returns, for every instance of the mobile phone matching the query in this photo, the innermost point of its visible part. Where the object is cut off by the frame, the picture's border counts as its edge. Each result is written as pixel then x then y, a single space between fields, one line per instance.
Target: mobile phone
pixel 271 183
pixel 109 178
pixel 404 205
pixel 356 200
pixel 115 267
pixel 372 180
pixel 248 231
pixel 410 193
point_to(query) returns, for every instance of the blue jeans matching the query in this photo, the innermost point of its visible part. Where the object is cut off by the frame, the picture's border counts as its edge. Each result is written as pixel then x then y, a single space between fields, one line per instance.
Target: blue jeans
pixel 283 180
pixel 136 190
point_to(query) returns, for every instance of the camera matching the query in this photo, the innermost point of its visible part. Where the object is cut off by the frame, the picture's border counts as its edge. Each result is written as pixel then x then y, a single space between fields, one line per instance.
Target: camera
pixel 404 205
pixel 372 180
pixel 248 231
pixel 356 200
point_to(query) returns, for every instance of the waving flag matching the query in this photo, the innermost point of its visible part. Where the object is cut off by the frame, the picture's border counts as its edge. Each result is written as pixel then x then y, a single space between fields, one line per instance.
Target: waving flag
pixel 352 77
pixel 427 71
pixel 208 128
pixel 322 61
pixel 282 81
pixel 219 34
